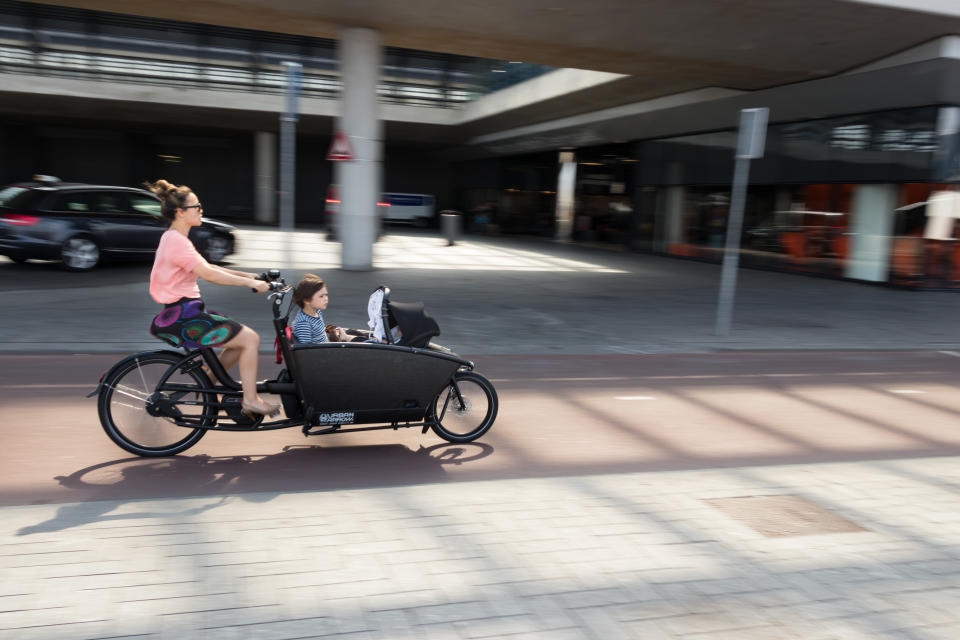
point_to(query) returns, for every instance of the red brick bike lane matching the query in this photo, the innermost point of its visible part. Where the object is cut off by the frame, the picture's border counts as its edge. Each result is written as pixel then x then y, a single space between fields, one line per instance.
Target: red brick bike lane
pixel 559 416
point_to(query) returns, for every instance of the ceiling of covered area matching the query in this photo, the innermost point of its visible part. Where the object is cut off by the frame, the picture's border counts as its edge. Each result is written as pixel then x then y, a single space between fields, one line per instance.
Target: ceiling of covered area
pixel 665 48
pixel 683 44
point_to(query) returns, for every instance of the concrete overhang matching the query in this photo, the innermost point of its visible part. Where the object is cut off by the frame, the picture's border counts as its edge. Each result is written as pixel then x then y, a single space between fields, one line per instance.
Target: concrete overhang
pixel 923 83
pixel 682 45
pixel 659 69
pixel 52 96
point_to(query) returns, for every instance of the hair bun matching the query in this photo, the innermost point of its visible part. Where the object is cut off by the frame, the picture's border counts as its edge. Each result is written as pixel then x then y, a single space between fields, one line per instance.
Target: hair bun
pixel 161 188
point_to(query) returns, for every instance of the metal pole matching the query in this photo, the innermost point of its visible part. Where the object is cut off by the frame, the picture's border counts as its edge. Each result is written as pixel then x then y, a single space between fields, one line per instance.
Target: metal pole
pixel 750 142
pixel 731 252
pixel 288 141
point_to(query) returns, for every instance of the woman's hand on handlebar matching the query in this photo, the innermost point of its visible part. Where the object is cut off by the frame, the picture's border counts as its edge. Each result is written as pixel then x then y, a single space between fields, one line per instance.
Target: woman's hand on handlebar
pixel 259 286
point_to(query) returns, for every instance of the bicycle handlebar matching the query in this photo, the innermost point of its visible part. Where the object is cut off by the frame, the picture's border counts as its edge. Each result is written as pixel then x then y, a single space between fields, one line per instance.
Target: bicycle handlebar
pixel 272 278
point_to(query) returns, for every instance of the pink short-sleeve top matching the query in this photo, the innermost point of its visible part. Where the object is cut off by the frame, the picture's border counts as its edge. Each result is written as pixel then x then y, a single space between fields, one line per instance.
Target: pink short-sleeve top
pixel 172 276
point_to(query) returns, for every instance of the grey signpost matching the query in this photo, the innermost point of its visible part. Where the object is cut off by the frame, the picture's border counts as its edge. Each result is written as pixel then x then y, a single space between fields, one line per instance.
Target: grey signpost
pixel 750 143
pixel 288 142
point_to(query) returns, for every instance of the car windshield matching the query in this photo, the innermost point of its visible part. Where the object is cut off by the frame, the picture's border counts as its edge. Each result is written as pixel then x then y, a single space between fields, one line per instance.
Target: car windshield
pixel 15 196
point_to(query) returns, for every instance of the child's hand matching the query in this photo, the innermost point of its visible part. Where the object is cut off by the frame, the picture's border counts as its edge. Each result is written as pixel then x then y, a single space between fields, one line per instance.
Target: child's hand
pixel 342 335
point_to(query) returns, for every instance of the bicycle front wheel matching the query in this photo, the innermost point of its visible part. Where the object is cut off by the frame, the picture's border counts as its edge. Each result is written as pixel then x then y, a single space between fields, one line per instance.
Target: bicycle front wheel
pixel 123 406
pixel 464 410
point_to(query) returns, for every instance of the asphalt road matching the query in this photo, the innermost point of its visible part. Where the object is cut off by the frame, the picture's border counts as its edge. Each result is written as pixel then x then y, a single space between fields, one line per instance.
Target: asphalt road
pixel 559 416
pixel 493 296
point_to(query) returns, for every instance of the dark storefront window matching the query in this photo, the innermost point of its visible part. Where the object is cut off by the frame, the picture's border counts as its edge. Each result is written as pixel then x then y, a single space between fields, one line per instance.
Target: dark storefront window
pixel 916 261
pixel 890 146
pixel 527 203
pixel 604 207
pixel 801 212
pixel 789 227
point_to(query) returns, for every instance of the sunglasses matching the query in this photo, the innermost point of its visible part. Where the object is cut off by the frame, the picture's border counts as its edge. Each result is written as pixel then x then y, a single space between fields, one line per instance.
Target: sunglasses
pixel 198 207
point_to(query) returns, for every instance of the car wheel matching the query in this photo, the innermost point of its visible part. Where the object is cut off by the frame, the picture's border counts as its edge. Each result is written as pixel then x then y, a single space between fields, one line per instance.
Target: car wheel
pixel 216 248
pixel 79 253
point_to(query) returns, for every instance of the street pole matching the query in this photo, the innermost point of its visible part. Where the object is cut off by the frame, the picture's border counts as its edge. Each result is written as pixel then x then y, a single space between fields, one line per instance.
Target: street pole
pixel 750 142
pixel 288 150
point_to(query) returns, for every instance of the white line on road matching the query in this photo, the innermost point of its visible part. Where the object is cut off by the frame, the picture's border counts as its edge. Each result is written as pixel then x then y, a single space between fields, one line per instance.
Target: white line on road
pixel 906 391
pixel 955 354
pixel 720 376
pixel 88 385
pixel 634 398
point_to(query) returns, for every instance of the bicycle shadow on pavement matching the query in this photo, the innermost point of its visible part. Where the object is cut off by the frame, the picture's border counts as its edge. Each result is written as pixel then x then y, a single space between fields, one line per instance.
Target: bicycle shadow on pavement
pixel 72 515
pixel 253 478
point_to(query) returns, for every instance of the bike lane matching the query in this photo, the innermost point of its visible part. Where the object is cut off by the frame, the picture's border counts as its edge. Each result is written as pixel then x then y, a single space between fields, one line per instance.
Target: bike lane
pixel 559 416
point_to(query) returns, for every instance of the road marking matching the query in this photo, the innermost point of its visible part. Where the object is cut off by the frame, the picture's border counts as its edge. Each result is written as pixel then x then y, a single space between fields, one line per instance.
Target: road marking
pixel 955 354
pixel 89 385
pixel 906 391
pixel 720 376
pixel 634 398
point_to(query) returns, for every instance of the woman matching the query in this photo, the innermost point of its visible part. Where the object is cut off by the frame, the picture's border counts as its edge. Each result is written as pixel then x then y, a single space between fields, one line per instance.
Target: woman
pixel 184 322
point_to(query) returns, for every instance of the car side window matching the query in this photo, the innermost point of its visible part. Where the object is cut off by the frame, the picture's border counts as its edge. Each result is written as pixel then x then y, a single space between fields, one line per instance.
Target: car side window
pixel 78 202
pixel 143 204
pixel 111 202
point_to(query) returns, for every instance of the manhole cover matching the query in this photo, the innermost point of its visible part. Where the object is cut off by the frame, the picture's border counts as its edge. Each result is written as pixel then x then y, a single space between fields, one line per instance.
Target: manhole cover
pixel 780 516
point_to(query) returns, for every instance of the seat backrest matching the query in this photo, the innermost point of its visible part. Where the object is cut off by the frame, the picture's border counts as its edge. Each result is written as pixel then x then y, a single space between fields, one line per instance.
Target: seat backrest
pixel 416 326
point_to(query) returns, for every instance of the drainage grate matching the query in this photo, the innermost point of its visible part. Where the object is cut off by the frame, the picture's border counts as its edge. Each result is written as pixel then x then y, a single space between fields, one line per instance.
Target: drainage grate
pixel 781 516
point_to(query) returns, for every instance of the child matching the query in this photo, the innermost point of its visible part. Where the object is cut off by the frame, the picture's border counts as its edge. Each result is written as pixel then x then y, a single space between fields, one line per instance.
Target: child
pixel 311 296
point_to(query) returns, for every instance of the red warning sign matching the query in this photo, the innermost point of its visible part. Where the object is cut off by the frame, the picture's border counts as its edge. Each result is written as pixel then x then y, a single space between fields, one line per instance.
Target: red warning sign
pixel 340 147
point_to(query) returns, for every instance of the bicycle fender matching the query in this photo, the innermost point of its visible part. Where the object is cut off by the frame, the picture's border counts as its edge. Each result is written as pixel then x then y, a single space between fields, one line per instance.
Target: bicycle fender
pixel 116 366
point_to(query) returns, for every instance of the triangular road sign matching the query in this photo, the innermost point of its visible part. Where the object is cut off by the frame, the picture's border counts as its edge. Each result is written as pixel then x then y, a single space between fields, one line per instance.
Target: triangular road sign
pixel 340 147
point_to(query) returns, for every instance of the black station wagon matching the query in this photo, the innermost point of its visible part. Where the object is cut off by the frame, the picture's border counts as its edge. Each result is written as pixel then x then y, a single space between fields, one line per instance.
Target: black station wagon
pixel 82 224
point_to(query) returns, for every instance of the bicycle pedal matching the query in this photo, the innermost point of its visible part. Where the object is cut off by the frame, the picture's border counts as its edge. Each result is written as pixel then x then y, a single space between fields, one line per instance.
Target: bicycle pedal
pixel 235 412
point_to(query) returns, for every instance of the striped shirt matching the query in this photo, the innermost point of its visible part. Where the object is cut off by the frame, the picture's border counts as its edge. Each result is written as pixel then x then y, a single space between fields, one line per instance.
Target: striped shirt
pixel 308 329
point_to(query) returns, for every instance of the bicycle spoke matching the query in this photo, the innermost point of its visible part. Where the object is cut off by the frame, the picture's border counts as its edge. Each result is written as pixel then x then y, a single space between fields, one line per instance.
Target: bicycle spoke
pixel 132 393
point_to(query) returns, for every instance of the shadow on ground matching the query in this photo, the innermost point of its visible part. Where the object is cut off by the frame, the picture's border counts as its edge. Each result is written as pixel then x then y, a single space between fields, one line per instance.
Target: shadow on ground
pixel 295 468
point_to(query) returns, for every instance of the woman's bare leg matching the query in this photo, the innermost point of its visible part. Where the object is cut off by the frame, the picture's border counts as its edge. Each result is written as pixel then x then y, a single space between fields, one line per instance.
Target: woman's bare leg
pixel 229 357
pixel 247 345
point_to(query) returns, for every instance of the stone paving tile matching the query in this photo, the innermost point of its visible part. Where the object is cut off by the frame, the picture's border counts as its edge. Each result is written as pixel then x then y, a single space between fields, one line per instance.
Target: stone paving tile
pixel 647 558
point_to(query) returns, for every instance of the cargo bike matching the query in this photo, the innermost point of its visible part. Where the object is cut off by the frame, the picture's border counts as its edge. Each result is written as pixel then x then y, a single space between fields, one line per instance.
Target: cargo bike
pixel 160 403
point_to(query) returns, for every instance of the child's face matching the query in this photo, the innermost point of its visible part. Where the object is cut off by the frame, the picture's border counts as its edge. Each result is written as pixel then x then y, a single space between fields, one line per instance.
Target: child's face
pixel 319 300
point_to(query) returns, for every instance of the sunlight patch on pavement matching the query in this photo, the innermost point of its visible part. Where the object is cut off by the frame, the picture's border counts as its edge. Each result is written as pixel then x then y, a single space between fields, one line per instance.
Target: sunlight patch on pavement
pixel 311 250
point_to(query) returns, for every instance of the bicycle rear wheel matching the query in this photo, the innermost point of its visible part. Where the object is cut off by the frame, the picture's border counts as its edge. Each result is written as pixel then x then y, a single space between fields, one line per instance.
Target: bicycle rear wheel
pixel 123 406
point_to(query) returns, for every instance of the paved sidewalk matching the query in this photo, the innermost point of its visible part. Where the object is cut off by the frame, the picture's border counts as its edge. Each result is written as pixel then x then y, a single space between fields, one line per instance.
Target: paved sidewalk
pixel 639 555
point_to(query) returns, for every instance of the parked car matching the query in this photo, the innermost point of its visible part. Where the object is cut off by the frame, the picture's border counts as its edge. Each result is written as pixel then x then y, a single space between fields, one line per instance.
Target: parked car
pixel 82 224
pixel 394 208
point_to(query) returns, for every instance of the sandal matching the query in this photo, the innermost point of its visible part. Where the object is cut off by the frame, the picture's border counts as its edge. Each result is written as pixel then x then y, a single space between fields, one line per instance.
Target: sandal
pixel 261 408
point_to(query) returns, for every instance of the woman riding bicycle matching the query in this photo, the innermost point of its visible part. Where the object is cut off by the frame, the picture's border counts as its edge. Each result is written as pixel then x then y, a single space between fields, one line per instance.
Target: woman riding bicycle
pixel 184 322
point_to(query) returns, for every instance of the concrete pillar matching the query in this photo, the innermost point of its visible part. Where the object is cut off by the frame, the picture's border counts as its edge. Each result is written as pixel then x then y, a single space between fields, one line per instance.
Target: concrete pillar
pixel 265 180
pixel 673 211
pixel 871 229
pixel 668 226
pixel 360 53
pixel 566 189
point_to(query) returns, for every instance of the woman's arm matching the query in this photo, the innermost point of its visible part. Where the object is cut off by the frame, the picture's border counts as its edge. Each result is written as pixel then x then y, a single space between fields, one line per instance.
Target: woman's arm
pixel 216 275
pixel 242 274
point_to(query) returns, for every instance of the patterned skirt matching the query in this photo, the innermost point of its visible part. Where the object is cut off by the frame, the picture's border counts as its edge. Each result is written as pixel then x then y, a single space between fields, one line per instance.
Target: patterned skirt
pixel 186 323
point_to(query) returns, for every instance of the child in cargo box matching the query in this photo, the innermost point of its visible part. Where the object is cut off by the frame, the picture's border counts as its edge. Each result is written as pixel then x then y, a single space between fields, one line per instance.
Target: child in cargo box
pixel 311 296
